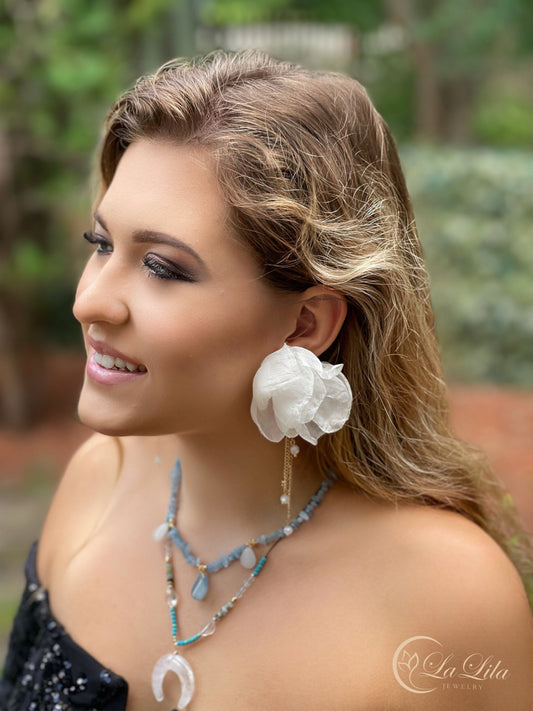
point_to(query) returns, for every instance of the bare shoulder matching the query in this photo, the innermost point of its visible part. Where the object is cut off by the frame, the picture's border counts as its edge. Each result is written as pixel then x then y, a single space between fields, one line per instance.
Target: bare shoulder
pixel 80 499
pixel 457 617
pixel 436 539
pixel 456 561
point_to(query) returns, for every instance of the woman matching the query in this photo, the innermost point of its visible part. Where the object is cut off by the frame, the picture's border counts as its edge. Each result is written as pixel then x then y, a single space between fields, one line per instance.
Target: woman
pixel 253 217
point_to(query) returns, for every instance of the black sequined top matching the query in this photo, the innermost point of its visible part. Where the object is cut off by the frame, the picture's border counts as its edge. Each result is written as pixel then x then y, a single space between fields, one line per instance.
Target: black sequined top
pixel 45 670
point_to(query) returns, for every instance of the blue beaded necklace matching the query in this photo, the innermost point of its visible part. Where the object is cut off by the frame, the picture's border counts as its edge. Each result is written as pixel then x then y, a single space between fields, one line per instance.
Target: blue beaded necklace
pixel 243 553
pixel 174 661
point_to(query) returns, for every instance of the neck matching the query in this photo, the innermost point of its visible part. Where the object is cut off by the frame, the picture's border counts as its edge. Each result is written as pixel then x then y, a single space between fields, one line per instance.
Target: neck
pixel 230 489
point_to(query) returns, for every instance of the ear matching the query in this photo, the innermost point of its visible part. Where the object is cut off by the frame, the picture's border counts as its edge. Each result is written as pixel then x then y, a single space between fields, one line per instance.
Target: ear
pixel 321 313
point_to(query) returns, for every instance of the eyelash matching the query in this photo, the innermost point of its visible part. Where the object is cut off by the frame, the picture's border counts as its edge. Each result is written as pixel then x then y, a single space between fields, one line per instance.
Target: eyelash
pixel 152 264
pixel 165 271
pixel 99 241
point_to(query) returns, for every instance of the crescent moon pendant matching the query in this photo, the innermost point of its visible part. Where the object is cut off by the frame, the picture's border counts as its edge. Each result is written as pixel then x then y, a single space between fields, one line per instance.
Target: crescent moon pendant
pixel 180 666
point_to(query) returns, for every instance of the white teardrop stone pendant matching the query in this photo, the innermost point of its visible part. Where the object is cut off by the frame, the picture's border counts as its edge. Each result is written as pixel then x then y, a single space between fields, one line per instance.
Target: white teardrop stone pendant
pixel 160 532
pixel 248 558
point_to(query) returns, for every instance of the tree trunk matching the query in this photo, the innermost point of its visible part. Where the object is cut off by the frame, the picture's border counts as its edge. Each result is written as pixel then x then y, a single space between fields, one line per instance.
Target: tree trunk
pixel 428 105
pixel 14 400
pixel 427 101
pixel 459 96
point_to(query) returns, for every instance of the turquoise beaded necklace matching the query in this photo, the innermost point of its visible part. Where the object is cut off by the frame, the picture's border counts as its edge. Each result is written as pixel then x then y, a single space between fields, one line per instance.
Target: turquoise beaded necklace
pixel 174 661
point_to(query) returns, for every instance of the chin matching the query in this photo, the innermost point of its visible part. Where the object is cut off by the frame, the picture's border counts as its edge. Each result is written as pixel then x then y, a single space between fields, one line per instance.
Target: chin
pixel 107 419
pixel 100 424
pixel 117 421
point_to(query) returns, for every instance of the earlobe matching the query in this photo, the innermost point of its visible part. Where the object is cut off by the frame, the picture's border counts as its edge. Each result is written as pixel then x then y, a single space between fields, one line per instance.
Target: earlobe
pixel 321 314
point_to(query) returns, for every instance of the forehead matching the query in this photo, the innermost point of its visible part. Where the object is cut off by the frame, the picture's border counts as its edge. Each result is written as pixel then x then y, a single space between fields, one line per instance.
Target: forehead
pixel 163 186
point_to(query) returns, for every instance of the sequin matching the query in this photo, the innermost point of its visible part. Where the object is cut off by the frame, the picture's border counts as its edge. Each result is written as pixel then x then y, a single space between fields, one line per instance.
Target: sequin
pixel 45 670
pixel 105 676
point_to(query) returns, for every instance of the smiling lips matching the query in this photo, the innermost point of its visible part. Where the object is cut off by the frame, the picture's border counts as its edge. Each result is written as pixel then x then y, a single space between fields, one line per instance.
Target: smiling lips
pixel 109 367
pixel 109 363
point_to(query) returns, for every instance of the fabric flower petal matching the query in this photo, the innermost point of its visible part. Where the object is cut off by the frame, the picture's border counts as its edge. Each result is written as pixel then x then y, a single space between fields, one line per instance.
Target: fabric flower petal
pixel 294 393
pixel 266 422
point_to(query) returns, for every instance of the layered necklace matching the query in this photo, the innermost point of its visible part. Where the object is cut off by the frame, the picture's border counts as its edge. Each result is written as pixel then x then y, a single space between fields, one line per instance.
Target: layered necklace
pixel 175 661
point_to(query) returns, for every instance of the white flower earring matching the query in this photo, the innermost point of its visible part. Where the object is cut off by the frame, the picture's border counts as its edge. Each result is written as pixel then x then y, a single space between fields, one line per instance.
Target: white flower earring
pixel 295 394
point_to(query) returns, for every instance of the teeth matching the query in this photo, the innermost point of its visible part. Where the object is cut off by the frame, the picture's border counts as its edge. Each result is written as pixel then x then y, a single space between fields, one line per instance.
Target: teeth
pixel 108 362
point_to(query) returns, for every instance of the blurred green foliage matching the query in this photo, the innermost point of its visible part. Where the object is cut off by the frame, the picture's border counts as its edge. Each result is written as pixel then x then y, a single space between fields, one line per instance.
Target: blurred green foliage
pixel 66 62
pixel 474 213
pixel 8 608
pixel 505 121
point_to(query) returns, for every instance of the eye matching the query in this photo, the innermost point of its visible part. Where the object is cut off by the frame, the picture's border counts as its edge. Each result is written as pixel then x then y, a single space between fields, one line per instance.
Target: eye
pixel 103 245
pixel 162 269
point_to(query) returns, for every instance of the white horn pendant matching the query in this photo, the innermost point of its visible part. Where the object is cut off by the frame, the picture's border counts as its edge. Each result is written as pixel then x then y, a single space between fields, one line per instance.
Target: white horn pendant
pixel 180 666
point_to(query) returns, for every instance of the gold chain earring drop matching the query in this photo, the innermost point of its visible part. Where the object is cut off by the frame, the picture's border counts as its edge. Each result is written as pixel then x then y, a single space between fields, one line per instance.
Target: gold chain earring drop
pixel 291 452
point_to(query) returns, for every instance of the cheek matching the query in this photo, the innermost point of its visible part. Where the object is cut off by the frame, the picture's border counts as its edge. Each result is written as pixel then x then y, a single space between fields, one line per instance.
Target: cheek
pixel 217 341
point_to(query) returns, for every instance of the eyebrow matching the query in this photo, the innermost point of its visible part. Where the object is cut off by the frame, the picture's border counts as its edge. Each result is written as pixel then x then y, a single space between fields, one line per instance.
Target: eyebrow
pixel 155 237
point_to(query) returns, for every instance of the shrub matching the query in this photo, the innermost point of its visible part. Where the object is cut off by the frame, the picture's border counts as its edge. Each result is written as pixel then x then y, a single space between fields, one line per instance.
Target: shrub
pixel 474 212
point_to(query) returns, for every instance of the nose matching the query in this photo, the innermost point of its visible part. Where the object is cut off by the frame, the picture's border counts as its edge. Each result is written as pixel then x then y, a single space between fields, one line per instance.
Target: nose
pixel 101 295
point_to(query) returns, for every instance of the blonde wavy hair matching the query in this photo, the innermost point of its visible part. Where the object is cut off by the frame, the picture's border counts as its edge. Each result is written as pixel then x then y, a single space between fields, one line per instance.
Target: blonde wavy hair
pixel 314 183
